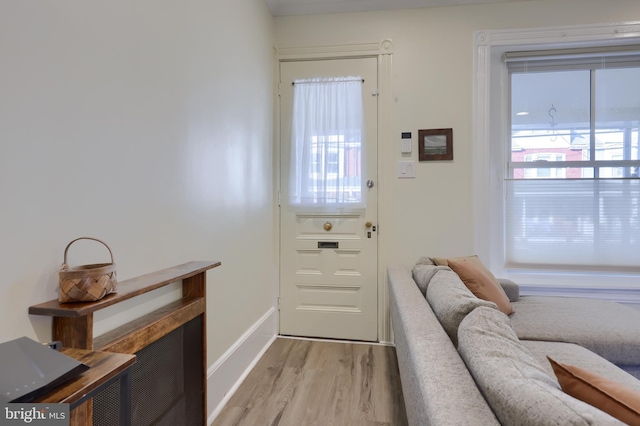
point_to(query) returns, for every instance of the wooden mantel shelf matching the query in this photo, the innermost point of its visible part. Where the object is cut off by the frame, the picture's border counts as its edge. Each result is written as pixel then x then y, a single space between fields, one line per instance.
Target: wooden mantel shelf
pixel 126 290
pixel 73 322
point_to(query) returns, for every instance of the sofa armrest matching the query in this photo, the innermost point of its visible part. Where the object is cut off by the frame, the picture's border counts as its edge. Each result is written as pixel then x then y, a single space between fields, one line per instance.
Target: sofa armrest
pixel 438 389
pixel 512 289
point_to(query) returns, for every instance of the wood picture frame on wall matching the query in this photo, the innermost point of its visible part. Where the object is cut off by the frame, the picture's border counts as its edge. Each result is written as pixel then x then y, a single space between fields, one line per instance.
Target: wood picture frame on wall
pixel 435 144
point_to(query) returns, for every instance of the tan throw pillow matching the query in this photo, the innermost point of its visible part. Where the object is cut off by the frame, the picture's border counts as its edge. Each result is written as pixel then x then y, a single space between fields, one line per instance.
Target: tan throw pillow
pixel 481 283
pixel 443 261
pixel 613 398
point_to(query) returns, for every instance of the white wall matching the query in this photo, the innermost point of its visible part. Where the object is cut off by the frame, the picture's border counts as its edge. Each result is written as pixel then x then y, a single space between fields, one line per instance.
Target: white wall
pixel 433 88
pixel 146 123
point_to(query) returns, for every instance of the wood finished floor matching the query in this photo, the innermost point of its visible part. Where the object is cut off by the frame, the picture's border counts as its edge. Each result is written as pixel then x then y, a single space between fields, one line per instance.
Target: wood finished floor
pixel 302 382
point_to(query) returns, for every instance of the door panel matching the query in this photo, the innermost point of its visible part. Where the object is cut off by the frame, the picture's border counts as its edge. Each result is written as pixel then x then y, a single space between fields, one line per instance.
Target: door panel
pixel 328 283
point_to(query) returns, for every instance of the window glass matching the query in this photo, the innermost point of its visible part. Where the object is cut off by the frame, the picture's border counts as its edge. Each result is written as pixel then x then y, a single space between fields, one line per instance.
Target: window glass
pixel 617 119
pixel 550 114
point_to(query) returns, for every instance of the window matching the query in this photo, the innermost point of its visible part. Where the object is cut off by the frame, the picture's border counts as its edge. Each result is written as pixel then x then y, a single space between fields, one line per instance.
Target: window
pixel 572 193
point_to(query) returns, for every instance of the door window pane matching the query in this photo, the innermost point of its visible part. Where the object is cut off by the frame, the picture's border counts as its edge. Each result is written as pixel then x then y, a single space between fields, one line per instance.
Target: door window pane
pixel 326 143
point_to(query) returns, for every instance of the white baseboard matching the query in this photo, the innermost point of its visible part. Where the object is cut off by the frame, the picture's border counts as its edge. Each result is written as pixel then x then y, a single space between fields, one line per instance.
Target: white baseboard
pixel 352 342
pixel 227 373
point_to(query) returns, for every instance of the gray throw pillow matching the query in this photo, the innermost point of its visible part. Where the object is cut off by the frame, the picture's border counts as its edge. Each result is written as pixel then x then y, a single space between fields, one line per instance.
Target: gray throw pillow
pixel 422 274
pixel 451 301
pixel 514 384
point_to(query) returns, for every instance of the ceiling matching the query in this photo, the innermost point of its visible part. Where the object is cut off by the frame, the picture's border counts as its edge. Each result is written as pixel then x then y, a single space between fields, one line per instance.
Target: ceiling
pixel 309 7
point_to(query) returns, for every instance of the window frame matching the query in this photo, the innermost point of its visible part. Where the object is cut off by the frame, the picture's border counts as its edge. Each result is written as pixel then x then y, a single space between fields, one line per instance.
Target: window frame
pixel 491 116
pixel 537 158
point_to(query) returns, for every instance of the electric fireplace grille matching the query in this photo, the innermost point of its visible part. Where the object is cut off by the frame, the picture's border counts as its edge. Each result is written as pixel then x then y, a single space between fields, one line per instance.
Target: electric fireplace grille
pixel 166 383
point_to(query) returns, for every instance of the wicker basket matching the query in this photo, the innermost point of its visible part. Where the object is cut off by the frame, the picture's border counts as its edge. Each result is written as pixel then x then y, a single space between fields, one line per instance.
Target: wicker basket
pixel 86 283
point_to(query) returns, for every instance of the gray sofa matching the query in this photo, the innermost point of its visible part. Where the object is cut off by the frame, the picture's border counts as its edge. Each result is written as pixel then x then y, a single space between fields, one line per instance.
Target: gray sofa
pixel 463 362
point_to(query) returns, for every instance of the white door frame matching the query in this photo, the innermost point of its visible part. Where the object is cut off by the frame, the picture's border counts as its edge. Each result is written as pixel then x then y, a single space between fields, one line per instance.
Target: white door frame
pixel 382 50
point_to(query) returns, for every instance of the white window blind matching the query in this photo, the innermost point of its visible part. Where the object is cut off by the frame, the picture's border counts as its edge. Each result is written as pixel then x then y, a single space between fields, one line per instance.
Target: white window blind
pixel 572 193
pixel 573 224
pixel 587 57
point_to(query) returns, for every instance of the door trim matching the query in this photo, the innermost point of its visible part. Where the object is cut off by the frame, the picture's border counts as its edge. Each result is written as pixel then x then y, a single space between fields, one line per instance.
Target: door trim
pixel 383 47
pixel 383 50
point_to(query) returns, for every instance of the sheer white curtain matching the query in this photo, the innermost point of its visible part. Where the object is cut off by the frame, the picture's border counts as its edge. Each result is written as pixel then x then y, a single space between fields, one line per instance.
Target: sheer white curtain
pixel 326 143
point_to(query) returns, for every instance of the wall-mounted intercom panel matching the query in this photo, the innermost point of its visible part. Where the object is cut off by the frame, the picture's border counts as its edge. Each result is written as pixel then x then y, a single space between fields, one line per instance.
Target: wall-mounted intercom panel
pixel 406 143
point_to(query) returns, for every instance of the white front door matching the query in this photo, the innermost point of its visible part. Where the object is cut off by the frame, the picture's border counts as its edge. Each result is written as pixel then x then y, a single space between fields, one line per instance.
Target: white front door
pixel 328 271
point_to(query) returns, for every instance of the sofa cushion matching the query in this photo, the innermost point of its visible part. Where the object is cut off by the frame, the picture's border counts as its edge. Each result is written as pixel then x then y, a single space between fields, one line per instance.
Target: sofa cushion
pixel 634 370
pixel 572 354
pixel 422 274
pixel 451 301
pixel 511 289
pixel 607 395
pixel 609 329
pixel 514 384
pixel 437 387
pixel 481 284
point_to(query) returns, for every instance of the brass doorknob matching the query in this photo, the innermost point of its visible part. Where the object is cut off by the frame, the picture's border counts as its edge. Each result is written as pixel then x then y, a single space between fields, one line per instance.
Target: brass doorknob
pixel 328 226
pixel 368 224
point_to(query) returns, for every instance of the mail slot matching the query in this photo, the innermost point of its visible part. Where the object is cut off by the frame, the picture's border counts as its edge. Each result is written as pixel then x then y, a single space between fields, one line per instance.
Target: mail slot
pixel 328 244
